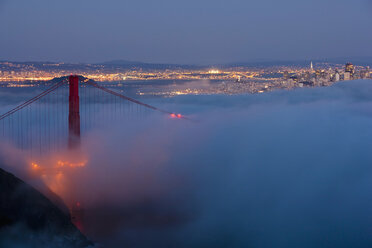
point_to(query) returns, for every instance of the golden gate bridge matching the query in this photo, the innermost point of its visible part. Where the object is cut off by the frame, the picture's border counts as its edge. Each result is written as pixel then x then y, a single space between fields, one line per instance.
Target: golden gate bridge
pixel 51 121
pixel 44 127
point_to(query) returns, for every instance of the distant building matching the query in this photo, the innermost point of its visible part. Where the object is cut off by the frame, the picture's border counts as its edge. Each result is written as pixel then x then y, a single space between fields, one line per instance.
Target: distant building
pixel 347 76
pixel 295 78
pixel 321 74
pixel 286 75
pixel 349 67
pixel 357 75
pixel 336 77
pixel 365 73
pixel 317 73
pixel 306 83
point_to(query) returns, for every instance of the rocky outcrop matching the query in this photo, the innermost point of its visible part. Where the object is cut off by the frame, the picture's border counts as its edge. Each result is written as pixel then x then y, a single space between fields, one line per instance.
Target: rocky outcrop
pixel 29 219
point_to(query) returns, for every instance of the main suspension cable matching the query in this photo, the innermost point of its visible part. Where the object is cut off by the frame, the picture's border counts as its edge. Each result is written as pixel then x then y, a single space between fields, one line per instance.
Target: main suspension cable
pixel 32 100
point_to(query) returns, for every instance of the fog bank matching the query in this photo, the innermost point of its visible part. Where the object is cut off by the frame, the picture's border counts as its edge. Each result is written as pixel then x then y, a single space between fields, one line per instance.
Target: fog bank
pixel 282 169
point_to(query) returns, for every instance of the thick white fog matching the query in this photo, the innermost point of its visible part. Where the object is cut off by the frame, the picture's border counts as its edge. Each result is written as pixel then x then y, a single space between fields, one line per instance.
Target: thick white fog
pixel 281 169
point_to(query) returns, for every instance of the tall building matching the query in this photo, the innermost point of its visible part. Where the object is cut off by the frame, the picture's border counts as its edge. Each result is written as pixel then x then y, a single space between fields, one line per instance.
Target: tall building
pixel 347 76
pixel 368 72
pixel 349 67
pixel 286 75
pixel 317 73
pixel 337 77
pixel 311 66
pixel 365 73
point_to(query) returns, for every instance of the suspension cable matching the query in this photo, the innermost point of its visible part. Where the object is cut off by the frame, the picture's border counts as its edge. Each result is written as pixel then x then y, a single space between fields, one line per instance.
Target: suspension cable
pixel 32 100
pixel 173 115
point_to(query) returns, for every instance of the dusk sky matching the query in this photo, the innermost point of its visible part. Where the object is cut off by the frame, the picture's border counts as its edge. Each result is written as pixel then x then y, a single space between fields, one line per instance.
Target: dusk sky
pixel 193 31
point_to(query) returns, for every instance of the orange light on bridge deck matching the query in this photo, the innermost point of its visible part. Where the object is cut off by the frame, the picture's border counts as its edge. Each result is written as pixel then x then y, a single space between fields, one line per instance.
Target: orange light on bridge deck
pixel 179 116
pixel 35 166
pixel 72 165
pixel 37 169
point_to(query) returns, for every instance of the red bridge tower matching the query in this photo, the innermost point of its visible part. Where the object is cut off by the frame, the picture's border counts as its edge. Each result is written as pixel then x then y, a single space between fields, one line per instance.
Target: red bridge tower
pixel 74 113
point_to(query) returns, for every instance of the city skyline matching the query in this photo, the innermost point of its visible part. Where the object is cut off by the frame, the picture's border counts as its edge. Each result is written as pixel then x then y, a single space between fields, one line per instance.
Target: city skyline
pixel 206 32
pixel 227 80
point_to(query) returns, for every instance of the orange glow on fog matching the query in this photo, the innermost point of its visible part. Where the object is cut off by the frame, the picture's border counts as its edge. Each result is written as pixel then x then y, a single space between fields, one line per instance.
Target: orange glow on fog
pixel 52 167
pixel 59 173
pixel 56 172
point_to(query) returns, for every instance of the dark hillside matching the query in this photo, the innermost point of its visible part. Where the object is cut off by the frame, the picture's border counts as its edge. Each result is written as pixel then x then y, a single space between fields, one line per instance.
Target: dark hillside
pixel 29 219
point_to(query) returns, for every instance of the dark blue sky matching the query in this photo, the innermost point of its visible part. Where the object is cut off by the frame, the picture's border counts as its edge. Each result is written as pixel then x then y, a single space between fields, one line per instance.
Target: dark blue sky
pixel 192 31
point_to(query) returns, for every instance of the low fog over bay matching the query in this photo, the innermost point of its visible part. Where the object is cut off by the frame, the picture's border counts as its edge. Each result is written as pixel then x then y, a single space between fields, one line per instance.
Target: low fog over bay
pixel 279 169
